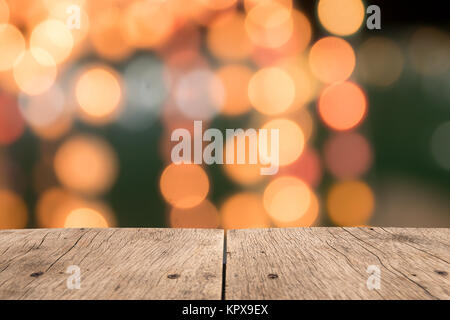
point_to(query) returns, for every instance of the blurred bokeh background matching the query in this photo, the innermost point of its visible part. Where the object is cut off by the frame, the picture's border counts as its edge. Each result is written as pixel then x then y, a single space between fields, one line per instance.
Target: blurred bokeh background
pixel 88 105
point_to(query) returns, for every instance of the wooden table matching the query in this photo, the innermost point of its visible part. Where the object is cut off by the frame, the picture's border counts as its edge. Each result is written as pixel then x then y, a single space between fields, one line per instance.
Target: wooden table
pixel 303 263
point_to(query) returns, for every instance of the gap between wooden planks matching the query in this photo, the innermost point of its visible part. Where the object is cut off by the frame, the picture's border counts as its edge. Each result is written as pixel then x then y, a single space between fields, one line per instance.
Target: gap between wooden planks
pixel 300 263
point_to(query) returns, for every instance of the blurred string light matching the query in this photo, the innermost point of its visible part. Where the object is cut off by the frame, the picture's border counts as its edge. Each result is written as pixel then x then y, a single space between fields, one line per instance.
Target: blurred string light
pixel 26 13
pixel 380 61
pixel 199 94
pixel 305 84
pixel 13 211
pixel 197 11
pixel 99 94
pixel 297 43
pixel 145 93
pixel 184 185
pixel 307 167
pixel 54 37
pixel 148 23
pixel 227 38
pixel 288 199
pixel 271 91
pixel 107 36
pixel 342 17
pixel 308 218
pixel 332 59
pixel 291 140
pixel 47 114
pixel 44 109
pixel 86 164
pixel 269 24
pixel 59 208
pixel 235 79
pixel 342 106
pixel 58 9
pixel 244 210
pixel 177 65
pixel 204 215
pixel 347 155
pixel 429 51
pixel 52 207
pixel 85 218
pixel 35 71
pixel 350 203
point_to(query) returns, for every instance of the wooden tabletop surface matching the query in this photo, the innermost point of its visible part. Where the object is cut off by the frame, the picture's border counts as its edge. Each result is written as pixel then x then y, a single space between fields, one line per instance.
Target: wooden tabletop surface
pixel 300 263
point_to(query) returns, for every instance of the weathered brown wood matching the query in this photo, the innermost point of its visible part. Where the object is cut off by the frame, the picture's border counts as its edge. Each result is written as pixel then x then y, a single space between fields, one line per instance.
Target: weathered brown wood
pixel 331 263
pixel 309 263
pixel 114 263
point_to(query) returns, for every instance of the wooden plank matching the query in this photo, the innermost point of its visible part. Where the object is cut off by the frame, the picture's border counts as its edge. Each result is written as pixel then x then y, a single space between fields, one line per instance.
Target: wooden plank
pixel 331 263
pixel 114 263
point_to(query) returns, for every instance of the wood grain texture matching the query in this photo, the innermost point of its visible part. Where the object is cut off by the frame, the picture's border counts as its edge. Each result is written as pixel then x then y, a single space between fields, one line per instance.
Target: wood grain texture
pixel 331 263
pixel 114 263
